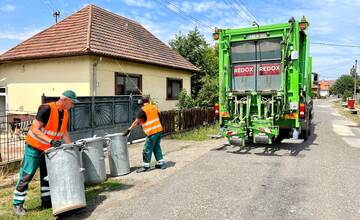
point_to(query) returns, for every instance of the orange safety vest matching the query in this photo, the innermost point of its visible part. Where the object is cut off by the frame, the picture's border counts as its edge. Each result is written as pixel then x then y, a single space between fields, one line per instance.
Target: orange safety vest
pixel 152 124
pixel 50 130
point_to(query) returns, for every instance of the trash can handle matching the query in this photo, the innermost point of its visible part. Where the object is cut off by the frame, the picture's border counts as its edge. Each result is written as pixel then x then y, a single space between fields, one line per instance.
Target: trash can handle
pixel 107 141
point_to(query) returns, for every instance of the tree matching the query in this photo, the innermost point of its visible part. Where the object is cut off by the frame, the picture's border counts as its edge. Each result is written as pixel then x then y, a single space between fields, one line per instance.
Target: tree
pixel 185 100
pixel 208 94
pixel 197 51
pixel 343 85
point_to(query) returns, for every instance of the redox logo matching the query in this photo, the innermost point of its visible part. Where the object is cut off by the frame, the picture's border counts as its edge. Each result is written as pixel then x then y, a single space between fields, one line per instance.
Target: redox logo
pixel 243 70
pixel 270 69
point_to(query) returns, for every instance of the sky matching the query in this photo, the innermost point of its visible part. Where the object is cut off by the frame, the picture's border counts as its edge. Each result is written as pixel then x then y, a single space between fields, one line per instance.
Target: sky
pixel 331 21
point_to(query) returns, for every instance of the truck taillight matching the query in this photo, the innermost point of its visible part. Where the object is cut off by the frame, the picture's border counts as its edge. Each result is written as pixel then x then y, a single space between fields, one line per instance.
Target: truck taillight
pixel 216 109
pixel 230 133
pixel 302 110
pixel 224 114
pixel 216 36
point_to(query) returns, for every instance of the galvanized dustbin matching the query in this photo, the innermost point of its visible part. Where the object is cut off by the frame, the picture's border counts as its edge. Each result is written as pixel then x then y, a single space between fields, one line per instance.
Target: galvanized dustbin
pixel 93 159
pixel 65 179
pixel 118 154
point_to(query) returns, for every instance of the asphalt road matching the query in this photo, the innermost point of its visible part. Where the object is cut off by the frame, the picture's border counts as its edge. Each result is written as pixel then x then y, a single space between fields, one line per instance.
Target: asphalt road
pixel 317 179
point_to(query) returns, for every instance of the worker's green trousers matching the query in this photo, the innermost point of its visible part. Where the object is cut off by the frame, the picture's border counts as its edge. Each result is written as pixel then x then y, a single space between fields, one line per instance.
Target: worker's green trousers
pixel 152 144
pixel 33 158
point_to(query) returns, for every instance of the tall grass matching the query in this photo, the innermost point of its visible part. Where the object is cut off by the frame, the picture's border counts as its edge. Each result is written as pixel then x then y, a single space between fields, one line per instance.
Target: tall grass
pixel 198 134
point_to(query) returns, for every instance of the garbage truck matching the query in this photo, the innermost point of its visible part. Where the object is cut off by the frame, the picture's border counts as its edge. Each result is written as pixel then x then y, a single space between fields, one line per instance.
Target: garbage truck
pixel 265 81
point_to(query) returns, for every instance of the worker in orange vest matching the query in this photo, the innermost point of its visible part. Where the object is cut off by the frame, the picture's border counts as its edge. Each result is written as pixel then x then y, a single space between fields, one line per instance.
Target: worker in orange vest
pixel 48 129
pixel 148 117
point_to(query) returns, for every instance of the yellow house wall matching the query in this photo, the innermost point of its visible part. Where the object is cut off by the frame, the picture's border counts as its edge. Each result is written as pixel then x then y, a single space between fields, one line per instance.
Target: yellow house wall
pixel 26 81
pixel 153 79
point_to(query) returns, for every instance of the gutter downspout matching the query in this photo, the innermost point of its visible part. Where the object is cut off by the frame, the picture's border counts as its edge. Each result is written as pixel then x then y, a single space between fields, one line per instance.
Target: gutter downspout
pixel 98 60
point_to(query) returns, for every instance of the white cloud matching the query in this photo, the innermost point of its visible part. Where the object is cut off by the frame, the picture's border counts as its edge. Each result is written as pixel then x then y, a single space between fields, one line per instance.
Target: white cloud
pixel 12 35
pixel 202 7
pixel 139 3
pixel 7 8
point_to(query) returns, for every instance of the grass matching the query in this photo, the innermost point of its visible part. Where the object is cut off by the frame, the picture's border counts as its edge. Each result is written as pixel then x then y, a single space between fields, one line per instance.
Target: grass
pixel 198 134
pixel 93 191
pixel 33 203
pixel 347 114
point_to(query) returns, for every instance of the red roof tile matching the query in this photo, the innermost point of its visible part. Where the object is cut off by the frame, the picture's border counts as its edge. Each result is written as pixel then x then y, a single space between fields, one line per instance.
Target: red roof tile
pixel 95 31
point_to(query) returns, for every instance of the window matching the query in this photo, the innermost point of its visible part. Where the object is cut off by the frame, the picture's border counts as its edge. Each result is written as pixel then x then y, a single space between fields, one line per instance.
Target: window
pixel 252 51
pixel 256 65
pixel 126 84
pixel 174 86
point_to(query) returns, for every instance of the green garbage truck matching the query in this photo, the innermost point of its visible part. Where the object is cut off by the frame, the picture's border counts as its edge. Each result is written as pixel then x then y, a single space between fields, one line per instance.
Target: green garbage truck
pixel 265 82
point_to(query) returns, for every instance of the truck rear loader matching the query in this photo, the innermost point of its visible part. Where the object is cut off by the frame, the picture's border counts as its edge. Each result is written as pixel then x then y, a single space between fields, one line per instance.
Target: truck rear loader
pixel 265 80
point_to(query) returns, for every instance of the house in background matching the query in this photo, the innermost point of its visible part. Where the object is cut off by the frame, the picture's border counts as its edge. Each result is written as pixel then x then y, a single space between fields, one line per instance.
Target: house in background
pixel 93 51
pixel 324 86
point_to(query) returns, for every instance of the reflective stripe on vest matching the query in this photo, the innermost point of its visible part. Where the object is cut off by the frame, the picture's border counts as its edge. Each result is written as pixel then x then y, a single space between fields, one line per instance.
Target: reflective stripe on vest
pixel 152 128
pixel 51 129
pixel 36 138
pixel 152 124
pixel 52 133
pixel 152 121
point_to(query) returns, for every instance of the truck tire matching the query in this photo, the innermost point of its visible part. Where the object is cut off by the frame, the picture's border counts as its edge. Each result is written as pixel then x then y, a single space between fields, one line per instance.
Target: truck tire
pixel 283 133
pixel 306 132
pixel 238 142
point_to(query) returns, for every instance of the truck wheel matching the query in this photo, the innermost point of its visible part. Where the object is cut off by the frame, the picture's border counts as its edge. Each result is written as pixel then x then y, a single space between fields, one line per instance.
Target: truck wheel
pixel 237 142
pixel 306 132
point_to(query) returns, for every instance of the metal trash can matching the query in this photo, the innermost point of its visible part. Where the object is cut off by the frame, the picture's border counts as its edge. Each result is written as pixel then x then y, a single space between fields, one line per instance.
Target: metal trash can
pixel 118 154
pixel 67 189
pixel 93 159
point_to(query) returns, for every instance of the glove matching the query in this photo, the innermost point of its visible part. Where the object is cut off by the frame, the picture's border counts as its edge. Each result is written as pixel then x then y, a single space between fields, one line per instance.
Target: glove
pixel 55 144
pixel 127 132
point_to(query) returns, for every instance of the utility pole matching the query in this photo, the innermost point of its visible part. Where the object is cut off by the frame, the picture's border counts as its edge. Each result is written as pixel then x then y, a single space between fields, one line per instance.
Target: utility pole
pixel 56 14
pixel 355 72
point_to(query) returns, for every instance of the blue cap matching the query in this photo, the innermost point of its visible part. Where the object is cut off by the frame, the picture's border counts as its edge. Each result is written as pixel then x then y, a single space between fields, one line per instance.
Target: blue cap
pixel 71 95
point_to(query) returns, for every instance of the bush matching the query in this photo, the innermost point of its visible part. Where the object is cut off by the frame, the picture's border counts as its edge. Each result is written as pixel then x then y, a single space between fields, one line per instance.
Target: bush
pixel 346 95
pixel 185 100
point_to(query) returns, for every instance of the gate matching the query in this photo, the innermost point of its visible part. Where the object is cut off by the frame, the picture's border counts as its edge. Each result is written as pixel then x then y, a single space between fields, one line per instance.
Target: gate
pixel 101 115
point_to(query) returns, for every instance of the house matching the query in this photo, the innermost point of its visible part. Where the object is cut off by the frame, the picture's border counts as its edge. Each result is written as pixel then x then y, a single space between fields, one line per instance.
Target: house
pixel 324 86
pixel 93 52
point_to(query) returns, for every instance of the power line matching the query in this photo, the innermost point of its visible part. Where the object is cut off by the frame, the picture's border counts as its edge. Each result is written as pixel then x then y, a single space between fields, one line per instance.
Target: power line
pixel 230 4
pixel 182 13
pixel 248 11
pixel 51 3
pixel 335 45
pixel 46 3
pixel 55 13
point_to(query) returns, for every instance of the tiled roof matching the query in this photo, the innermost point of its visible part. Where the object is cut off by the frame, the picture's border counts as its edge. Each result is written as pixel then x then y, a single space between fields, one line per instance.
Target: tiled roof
pixel 96 31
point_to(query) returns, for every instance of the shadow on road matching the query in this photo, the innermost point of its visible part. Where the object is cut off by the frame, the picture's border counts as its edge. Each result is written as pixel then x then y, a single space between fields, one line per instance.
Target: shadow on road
pixel 291 149
pixel 168 165
pixel 94 197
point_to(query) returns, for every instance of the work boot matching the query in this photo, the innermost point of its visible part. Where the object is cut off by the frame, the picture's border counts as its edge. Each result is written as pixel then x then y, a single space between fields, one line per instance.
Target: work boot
pixel 19 210
pixel 160 166
pixel 46 205
pixel 143 169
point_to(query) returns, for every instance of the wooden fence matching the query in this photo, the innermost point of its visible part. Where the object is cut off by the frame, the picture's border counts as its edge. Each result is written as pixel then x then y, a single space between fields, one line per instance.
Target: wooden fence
pixel 186 119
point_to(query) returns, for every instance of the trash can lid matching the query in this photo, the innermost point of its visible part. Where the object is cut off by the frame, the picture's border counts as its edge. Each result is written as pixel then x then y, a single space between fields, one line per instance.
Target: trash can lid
pixel 115 134
pixel 52 149
pixel 90 140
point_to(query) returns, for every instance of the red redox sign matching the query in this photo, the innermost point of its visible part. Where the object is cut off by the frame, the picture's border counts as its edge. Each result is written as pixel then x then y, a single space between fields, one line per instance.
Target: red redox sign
pixel 243 70
pixel 269 69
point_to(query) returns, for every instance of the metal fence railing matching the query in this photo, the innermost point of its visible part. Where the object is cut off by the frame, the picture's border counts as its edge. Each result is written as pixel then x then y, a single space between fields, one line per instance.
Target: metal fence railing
pixel 14 129
pixel 12 137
